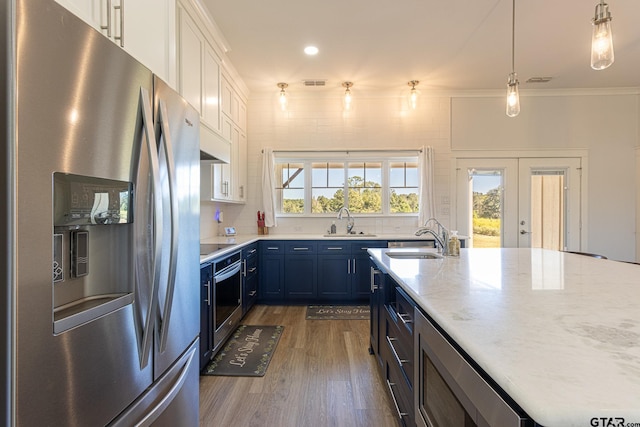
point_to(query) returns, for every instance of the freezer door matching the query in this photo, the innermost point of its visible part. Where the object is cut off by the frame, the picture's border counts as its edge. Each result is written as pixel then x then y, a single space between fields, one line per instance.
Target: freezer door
pixel 177 132
pixel 78 112
pixel 172 400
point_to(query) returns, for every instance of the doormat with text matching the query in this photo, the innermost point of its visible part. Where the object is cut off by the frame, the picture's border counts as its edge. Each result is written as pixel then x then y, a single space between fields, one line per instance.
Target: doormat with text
pixel 338 312
pixel 247 352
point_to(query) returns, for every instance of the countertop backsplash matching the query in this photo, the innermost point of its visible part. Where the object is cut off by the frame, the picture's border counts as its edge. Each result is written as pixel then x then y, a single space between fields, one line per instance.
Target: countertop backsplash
pixel 235 216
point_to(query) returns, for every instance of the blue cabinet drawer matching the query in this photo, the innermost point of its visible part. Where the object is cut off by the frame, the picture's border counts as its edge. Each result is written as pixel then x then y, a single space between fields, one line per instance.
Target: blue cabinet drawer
pixel 335 247
pixel 361 247
pixel 272 247
pixel 301 247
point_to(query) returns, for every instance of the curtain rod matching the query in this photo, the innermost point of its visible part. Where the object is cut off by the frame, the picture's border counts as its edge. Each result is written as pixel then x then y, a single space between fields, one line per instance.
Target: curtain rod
pixel 359 150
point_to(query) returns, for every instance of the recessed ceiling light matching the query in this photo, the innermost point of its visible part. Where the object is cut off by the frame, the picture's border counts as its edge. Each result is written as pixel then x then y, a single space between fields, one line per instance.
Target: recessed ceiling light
pixel 311 50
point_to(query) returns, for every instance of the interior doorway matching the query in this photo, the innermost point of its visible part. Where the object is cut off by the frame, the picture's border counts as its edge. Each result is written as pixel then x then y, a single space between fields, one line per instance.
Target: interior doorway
pixel 519 202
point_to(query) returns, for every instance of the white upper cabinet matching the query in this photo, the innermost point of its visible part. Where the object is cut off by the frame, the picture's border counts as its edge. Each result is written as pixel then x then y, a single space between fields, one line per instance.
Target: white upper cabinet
pixel 190 53
pixel 211 88
pixel 207 80
pixel 144 28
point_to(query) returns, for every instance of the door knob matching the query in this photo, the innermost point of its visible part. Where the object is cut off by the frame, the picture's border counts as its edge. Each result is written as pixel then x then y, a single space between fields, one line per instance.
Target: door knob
pixel 525 232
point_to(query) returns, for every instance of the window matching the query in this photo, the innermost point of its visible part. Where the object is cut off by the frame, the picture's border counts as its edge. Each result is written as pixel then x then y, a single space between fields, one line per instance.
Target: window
pixel 291 193
pixel 403 187
pixel 374 186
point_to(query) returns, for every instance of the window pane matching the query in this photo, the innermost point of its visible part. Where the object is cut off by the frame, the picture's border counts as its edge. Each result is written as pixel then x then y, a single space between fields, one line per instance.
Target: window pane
pixel 486 187
pixel 412 174
pixel 327 187
pixel 290 187
pixel 365 187
pixel 293 201
pixel 397 175
pixel 403 192
pixel 403 200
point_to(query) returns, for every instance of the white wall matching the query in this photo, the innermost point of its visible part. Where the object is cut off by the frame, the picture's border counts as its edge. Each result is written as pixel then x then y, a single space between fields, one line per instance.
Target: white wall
pixel 316 122
pixel 605 125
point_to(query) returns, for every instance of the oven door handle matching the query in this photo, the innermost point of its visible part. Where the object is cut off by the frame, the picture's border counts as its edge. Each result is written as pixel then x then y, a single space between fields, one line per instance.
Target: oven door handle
pixel 227 273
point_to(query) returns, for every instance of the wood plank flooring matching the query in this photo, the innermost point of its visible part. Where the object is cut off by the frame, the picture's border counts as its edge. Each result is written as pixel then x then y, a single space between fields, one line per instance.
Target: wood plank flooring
pixel 321 374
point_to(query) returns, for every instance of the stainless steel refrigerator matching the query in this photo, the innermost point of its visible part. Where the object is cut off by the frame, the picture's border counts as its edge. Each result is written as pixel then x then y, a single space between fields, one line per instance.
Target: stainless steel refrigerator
pixel 100 174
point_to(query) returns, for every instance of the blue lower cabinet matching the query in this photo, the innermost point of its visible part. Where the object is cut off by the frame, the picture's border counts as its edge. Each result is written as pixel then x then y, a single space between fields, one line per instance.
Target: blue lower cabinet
pixel 249 277
pixel 307 271
pixel 301 271
pixel 271 271
pixel 360 271
pixel 334 280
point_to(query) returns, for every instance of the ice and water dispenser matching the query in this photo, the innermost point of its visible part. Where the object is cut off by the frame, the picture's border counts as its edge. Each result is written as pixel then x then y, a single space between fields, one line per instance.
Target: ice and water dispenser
pixel 93 271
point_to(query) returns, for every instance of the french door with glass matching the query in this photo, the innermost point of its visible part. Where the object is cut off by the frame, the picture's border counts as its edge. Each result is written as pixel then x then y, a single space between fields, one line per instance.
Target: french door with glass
pixel 519 202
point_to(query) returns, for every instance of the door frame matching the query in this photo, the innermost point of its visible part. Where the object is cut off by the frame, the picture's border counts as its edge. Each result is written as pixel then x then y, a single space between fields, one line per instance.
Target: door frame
pixel 582 154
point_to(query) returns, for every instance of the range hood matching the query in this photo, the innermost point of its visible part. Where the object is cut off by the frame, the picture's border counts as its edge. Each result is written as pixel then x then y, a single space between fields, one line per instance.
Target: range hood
pixel 213 147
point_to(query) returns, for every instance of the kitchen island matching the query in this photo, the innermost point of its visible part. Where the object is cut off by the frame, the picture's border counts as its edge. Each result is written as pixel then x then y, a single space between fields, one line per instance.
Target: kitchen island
pixel 559 333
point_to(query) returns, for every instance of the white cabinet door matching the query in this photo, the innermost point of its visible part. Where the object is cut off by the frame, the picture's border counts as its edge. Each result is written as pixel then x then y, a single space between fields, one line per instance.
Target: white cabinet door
pixel 191 47
pixel 211 89
pixel 222 189
pixel 144 28
pixel 226 95
pixel 87 10
pixel 147 31
pixel 240 177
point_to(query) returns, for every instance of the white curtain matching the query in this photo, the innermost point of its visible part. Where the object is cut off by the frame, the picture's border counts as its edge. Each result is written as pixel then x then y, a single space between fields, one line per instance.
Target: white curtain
pixel 268 187
pixel 427 196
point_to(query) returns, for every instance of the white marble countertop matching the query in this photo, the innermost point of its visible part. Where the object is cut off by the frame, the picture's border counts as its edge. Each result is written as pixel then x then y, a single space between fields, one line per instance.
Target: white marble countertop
pixel 558 332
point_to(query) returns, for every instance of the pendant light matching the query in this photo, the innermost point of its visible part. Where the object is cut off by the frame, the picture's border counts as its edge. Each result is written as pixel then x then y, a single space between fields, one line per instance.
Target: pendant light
pixel 602 40
pixel 413 96
pixel 283 96
pixel 347 95
pixel 513 95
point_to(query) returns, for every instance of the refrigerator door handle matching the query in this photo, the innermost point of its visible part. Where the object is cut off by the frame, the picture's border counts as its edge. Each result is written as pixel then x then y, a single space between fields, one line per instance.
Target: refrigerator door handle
pixel 167 148
pixel 148 287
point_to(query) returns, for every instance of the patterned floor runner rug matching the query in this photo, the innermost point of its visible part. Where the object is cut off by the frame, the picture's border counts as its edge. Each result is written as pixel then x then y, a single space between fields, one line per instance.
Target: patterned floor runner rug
pixel 247 352
pixel 338 312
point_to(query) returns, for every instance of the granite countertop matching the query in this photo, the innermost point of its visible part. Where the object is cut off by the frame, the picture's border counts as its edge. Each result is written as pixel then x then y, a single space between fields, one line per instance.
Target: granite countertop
pixel 236 242
pixel 558 332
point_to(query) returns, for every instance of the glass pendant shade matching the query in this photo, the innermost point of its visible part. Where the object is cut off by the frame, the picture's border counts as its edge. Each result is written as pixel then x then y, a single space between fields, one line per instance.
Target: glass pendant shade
pixel 283 100
pixel 347 95
pixel 602 40
pixel 413 94
pixel 513 96
pixel 282 97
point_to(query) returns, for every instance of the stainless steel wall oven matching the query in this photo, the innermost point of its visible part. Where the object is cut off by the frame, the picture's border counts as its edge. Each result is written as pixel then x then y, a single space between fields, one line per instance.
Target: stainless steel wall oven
pixel 227 296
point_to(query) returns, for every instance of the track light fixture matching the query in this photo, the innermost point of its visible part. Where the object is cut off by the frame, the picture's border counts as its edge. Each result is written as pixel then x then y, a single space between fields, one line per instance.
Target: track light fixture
pixel 413 96
pixel 283 96
pixel 347 95
pixel 513 95
pixel 602 40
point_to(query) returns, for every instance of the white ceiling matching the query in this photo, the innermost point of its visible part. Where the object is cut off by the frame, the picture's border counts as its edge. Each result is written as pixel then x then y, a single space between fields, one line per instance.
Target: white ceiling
pixel 448 45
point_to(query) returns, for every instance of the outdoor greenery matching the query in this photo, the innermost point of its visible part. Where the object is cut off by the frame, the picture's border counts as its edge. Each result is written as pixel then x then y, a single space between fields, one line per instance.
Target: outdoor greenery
pixel 364 197
pixel 487 209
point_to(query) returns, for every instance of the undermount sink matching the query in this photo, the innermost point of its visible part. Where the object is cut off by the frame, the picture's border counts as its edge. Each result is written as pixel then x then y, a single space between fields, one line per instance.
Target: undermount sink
pixel 350 235
pixel 413 255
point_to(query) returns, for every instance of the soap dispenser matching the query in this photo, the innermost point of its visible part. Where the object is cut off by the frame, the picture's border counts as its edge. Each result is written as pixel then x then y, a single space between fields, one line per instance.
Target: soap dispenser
pixel 333 227
pixel 454 244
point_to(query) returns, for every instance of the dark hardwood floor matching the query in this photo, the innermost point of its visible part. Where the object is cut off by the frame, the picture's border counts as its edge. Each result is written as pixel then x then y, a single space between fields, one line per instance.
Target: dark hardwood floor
pixel 321 374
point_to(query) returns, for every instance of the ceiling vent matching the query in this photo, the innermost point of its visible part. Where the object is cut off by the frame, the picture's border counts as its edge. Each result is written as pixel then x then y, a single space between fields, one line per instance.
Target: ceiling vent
pixel 313 83
pixel 539 80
